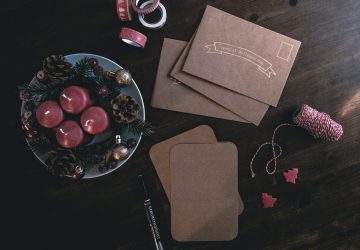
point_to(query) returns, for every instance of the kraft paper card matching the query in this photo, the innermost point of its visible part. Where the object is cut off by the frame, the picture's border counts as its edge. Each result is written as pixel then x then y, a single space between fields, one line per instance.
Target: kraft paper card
pixel 204 181
pixel 241 56
pixel 160 154
pixel 169 94
pixel 244 106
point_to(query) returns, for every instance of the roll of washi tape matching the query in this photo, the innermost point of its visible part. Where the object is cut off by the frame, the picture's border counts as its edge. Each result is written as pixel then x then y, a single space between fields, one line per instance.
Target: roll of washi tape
pixel 123 10
pixel 156 25
pixel 133 37
pixel 146 10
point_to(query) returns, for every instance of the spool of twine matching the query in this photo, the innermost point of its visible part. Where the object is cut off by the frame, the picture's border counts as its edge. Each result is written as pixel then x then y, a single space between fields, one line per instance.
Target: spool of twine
pixel 318 124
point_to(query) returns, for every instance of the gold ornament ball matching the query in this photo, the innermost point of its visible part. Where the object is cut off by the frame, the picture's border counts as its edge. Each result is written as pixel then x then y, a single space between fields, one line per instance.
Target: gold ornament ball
pixel 79 172
pixel 120 152
pixel 123 77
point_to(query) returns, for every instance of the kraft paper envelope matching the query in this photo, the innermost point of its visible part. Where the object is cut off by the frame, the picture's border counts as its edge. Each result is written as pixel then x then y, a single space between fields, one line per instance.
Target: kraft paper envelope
pixel 203 190
pixel 172 95
pixel 241 56
pixel 160 154
pixel 242 105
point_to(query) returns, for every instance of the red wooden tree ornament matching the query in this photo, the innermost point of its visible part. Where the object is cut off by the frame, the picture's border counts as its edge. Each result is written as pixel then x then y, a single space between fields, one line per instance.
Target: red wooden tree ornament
pixel 267 200
pixel 291 175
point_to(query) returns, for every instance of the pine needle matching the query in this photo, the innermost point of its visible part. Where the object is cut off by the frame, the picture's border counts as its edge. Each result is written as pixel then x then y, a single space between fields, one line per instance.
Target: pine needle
pixel 83 68
pixel 39 91
pixel 39 144
pixel 139 126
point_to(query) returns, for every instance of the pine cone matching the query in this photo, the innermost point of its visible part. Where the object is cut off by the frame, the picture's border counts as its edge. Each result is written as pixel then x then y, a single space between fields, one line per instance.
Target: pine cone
pixel 62 162
pixel 55 68
pixel 125 108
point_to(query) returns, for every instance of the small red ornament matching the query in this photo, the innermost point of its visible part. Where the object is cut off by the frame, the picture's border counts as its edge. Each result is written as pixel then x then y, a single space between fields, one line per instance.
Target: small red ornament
pixel 112 164
pixel 102 91
pixel 93 62
pixel 49 114
pixel 291 175
pixel 131 143
pixel 31 134
pixel 95 120
pixel 24 95
pixel 268 200
pixel 98 70
pixel 75 99
pixel 69 134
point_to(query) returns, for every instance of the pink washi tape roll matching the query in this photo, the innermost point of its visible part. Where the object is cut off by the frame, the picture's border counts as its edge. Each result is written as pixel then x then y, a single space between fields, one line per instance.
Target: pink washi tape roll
pixel 148 9
pixel 123 10
pixel 132 37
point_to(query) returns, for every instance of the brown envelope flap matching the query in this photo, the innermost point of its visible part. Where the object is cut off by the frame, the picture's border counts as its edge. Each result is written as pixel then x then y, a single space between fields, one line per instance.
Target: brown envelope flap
pixel 249 108
pixel 241 56
pixel 169 94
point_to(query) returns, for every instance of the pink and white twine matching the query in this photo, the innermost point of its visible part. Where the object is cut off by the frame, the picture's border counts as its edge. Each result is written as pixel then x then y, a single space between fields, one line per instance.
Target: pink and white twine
pixel 318 124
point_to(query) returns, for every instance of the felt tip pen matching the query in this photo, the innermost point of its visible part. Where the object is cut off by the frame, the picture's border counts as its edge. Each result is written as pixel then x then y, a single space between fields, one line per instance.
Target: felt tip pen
pixel 150 214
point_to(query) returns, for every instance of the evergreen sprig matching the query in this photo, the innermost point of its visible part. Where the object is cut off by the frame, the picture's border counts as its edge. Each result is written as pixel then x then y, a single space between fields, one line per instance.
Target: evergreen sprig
pixel 40 144
pixel 140 126
pixel 95 153
pixel 110 83
pixel 39 91
pixel 85 162
pixel 98 148
pixel 104 81
pixel 83 69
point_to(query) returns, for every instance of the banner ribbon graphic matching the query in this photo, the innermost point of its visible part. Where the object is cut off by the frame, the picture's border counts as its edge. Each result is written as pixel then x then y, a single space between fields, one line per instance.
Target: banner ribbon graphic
pixel 262 64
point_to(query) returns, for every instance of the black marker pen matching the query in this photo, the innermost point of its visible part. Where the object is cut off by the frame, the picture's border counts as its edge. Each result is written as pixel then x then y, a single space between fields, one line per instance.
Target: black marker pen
pixel 150 214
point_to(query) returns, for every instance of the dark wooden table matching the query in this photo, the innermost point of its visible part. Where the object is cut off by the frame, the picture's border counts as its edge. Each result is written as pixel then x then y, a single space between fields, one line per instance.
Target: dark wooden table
pixel 322 211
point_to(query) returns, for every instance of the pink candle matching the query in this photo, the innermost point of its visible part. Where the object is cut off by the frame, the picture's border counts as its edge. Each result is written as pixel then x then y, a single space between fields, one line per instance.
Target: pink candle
pixel 75 99
pixel 69 134
pixel 49 114
pixel 95 120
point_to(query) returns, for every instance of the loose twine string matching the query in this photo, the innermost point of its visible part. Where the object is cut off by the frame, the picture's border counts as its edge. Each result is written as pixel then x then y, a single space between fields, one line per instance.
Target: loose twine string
pixel 318 124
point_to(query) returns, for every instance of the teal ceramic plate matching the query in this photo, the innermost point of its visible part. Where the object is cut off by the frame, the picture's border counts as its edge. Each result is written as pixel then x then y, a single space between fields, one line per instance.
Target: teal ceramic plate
pixel 131 90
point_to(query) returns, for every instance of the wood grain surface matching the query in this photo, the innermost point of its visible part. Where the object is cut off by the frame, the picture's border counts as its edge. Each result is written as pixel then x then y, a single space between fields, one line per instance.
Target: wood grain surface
pixel 322 211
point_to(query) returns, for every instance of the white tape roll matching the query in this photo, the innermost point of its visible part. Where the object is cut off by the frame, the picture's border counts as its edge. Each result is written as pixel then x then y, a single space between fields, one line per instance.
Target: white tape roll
pixel 156 25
